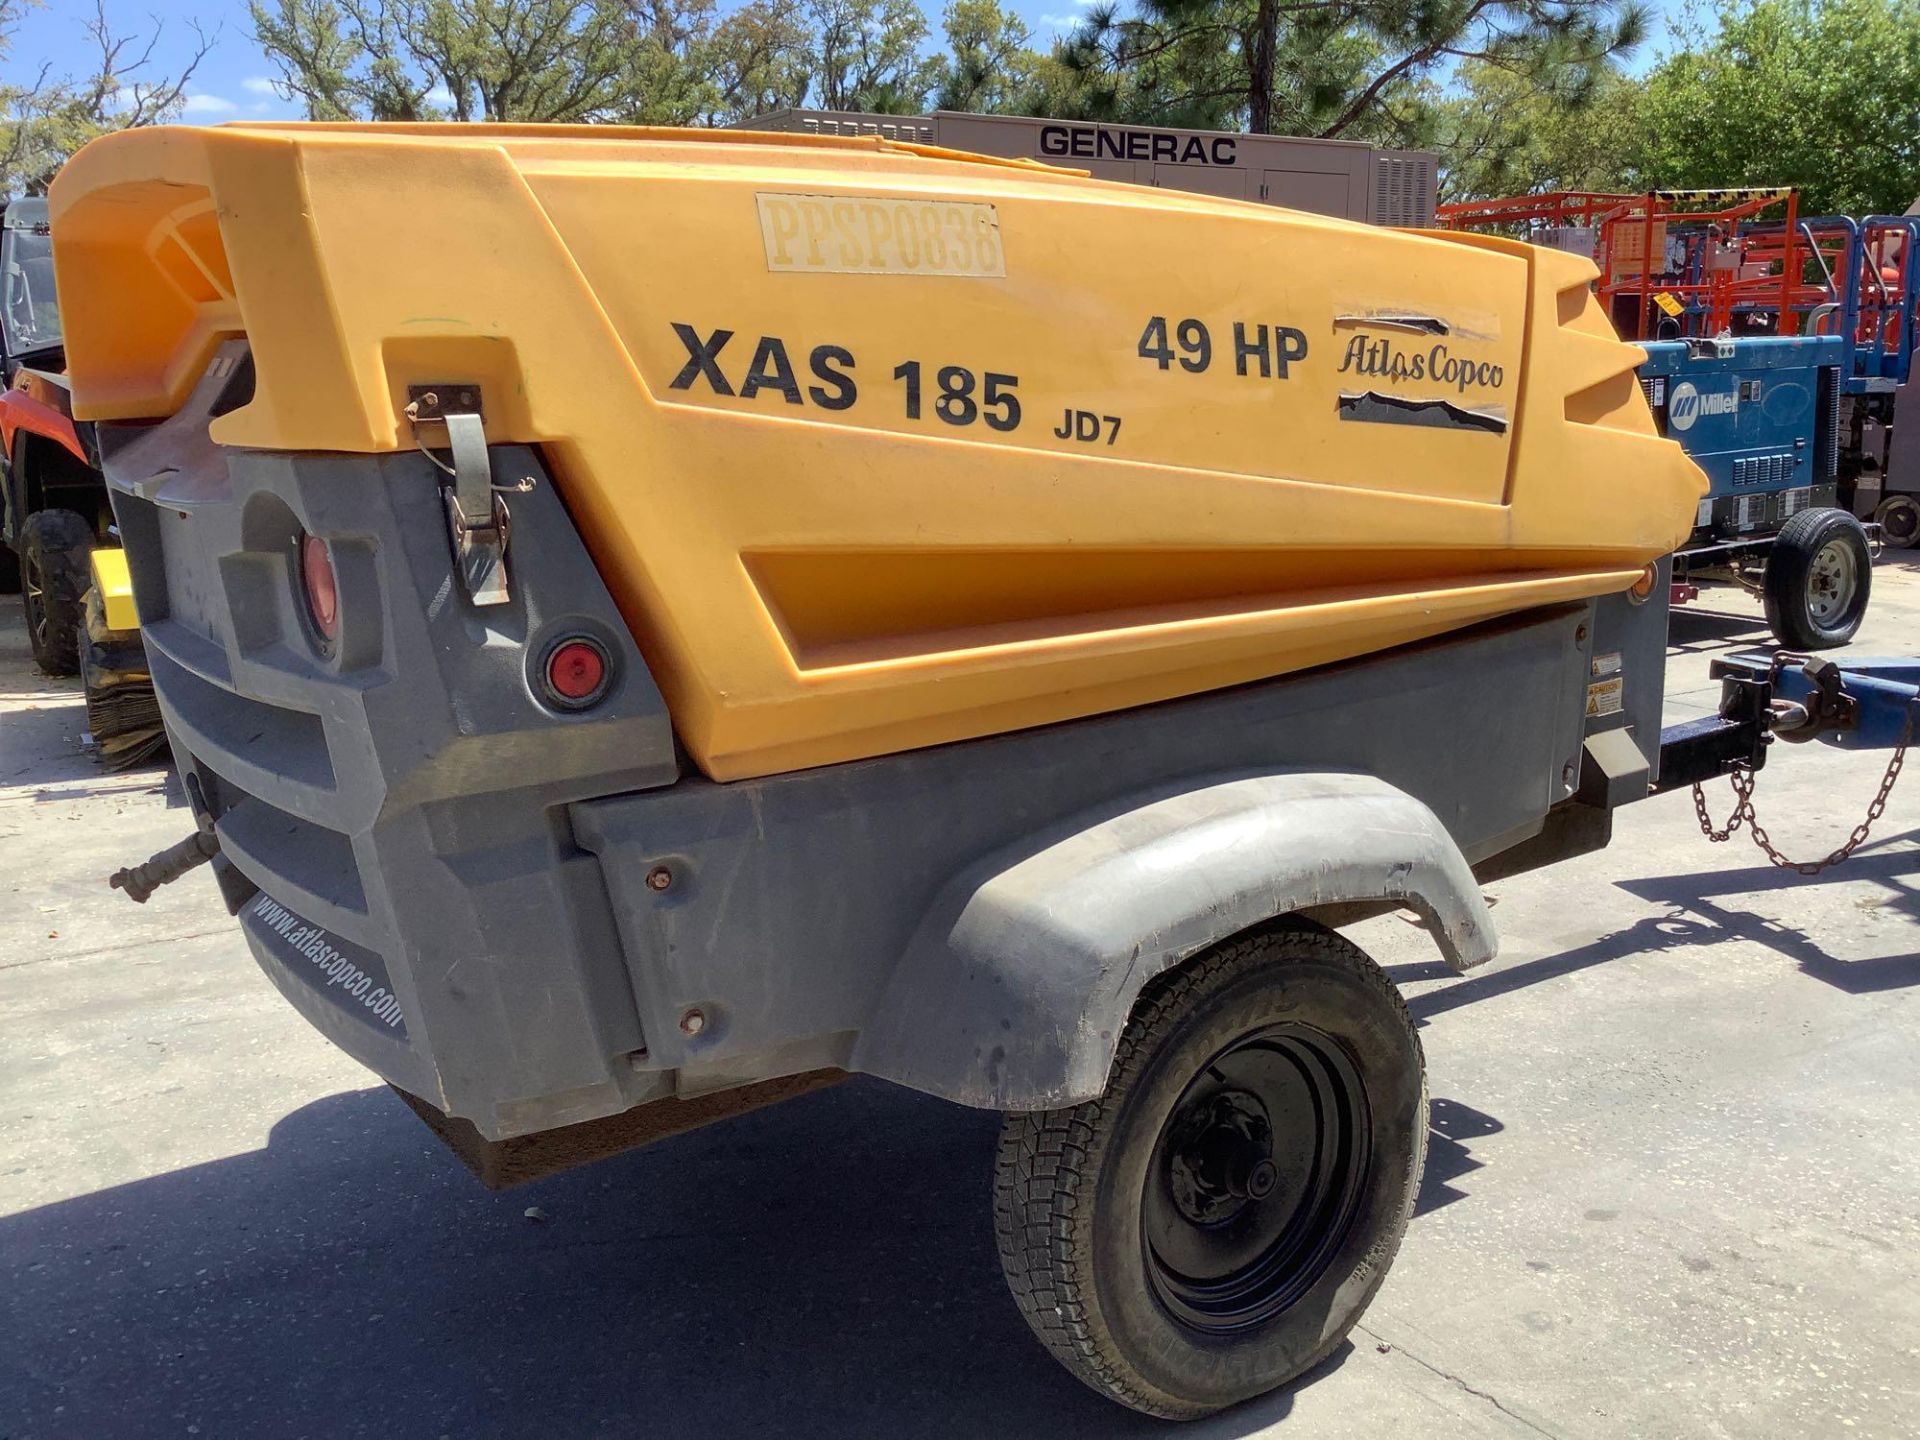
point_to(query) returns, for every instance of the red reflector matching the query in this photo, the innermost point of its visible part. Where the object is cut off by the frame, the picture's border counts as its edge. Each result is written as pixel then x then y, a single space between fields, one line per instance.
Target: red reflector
pixel 323 590
pixel 576 670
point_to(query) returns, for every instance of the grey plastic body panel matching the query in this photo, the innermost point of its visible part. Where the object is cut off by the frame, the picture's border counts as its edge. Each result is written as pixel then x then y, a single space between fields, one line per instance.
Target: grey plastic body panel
pixel 1022 941
pixel 1629 644
pixel 406 792
pixel 796 899
pixel 453 879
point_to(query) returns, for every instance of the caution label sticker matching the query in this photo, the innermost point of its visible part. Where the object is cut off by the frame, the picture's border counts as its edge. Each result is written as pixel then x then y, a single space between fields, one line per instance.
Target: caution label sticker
pixel 1604 697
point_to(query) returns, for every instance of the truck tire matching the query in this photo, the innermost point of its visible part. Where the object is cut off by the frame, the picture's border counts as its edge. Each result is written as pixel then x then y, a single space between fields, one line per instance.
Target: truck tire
pixel 55 548
pixel 1818 578
pixel 1899 519
pixel 1212 1226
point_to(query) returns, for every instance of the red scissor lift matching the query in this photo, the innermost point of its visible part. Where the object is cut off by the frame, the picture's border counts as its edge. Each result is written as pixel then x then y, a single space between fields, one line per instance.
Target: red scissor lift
pixel 1749 313
pixel 1743 263
pixel 1718 284
pixel 1858 279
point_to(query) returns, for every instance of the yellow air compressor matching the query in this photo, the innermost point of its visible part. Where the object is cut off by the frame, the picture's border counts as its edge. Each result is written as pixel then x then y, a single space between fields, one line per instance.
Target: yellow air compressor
pixel 656 621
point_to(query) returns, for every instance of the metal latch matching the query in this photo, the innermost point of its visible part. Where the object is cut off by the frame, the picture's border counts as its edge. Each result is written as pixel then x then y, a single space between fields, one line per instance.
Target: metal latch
pixel 477 518
pixel 1826 707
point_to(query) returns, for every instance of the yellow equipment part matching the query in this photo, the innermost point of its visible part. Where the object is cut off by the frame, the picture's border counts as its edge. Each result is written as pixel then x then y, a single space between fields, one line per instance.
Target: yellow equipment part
pixel 115 588
pixel 879 446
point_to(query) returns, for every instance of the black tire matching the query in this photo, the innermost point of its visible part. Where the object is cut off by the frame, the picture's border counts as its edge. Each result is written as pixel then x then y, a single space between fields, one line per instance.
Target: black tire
pixel 1819 576
pixel 1094 1205
pixel 1899 519
pixel 56 547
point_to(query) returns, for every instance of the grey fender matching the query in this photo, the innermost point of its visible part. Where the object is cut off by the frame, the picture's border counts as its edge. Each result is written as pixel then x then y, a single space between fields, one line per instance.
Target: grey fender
pixel 1018 982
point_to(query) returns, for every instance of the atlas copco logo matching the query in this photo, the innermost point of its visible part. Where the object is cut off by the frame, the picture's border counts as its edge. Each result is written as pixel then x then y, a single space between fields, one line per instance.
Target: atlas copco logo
pixel 1688 405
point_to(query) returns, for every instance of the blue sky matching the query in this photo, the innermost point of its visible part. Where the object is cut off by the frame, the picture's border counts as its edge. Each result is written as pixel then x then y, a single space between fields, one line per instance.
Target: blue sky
pixel 233 82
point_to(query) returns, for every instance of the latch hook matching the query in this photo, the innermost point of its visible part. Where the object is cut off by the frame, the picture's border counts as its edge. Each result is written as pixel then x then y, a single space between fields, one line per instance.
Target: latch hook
pixel 477 520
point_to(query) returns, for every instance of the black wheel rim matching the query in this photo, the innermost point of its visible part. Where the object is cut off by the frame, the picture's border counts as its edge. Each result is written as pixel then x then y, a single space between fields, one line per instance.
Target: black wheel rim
pixel 1256 1179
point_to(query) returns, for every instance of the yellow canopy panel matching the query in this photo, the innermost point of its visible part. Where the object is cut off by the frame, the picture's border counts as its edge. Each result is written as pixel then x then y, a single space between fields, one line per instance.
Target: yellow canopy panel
pixel 879 446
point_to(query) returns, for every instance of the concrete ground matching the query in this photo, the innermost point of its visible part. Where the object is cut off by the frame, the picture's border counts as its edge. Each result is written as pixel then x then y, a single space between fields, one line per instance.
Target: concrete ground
pixel 1673 1187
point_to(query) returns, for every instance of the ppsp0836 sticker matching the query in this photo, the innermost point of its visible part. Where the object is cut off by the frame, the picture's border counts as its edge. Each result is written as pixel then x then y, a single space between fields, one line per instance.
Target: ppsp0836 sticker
pixel 878 235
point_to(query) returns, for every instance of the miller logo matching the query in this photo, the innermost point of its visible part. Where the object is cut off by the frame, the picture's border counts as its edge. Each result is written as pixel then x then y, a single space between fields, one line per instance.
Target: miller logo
pixel 1687 405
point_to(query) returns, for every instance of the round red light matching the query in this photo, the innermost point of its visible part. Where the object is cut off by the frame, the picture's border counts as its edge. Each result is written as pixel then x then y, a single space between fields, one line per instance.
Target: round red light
pixel 576 669
pixel 322 587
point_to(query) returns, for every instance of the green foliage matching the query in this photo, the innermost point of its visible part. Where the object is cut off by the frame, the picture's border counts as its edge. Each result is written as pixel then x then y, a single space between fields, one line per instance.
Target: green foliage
pixel 1821 94
pixel 453 59
pixel 670 81
pixel 868 55
pixel 1506 132
pixel 1516 95
pixel 760 58
pixel 1352 69
pixel 44 122
pixel 991 66
pixel 1360 69
pixel 661 62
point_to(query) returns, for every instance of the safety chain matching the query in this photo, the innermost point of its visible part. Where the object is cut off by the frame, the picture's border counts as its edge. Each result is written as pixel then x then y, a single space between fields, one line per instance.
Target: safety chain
pixel 1742 779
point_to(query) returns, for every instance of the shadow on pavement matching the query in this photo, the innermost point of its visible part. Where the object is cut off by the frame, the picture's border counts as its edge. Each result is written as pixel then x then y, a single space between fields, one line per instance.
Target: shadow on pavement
pixel 47 757
pixel 1450 1125
pixel 1656 932
pixel 1691 630
pixel 825 1268
pixel 1894 863
pixel 1900 559
pixel 1698 920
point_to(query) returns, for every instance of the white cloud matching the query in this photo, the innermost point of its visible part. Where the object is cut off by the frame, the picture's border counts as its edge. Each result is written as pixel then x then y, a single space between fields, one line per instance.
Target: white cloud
pixel 1061 22
pixel 441 97
pixel 261 85
pixel 209 105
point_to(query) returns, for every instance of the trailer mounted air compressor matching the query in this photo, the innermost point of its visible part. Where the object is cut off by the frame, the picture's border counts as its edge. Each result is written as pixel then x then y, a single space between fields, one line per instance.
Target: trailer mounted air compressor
pixel 714 613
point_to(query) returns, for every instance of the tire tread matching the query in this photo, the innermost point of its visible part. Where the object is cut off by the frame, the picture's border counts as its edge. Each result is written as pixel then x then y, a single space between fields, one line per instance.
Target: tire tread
pixel 64 543
pixel 1047 1160
pixel 1785 582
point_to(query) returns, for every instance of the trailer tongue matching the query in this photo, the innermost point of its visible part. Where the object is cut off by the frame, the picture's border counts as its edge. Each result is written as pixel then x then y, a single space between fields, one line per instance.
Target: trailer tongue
pixel 711 614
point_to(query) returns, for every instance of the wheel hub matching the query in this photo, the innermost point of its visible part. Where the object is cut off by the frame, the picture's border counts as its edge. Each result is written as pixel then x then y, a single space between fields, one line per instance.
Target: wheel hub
pixel 1830 582
pixel 1256 1178
pixel 1221 1156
